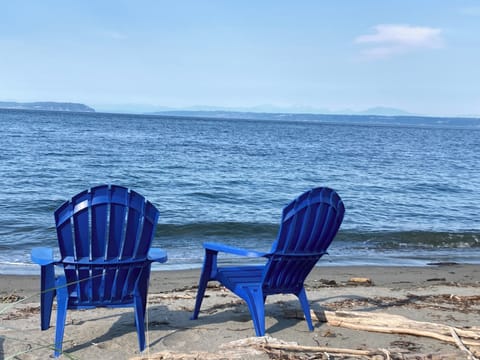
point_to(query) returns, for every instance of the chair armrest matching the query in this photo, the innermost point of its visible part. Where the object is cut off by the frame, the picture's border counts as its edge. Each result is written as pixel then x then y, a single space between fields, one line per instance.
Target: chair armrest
pixel 233 250
pixel 42 256
pixel 158 255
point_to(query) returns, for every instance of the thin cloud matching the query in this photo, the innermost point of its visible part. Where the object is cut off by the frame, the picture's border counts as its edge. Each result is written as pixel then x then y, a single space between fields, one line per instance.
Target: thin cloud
pixel 389 40
pixel 115 35
pixel 470 11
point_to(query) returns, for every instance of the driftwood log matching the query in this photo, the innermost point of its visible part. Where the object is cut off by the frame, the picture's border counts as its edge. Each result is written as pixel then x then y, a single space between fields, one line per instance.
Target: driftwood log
pixel 397 324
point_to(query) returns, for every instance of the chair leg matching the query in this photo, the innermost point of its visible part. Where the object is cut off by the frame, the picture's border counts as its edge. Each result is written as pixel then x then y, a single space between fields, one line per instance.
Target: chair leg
pixel 256 304
pixel 47 287
pixel 302 296
pixel 140 321
pixel 209 265
pixel 141 307
pixel 62 306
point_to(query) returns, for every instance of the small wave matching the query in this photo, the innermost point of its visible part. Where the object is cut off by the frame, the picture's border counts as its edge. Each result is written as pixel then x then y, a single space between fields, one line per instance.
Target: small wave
pixel 264 232
pixel 412 239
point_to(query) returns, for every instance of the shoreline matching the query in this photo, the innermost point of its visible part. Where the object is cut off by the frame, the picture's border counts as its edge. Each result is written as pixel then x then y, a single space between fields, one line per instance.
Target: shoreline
pixel 169 280
pixel 444 294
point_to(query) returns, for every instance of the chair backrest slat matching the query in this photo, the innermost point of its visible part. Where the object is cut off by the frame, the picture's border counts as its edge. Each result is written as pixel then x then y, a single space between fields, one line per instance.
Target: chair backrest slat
pixel 309 224
pixel 100 214
pixel 63 220
pixel 118 213
pixel 134 225
pixel 149 224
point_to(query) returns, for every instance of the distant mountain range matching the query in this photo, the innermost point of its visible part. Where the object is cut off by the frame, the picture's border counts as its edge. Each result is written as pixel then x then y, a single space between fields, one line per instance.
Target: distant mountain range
pixel 47 105
pixel 357 118
pixel 386 111
pixel 266 109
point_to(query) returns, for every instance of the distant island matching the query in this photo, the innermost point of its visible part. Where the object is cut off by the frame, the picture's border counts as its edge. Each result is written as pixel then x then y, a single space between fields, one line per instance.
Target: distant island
pixel 46 105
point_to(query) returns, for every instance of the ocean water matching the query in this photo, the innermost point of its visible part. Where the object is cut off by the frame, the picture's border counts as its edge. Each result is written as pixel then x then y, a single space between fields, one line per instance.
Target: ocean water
pixel 412 193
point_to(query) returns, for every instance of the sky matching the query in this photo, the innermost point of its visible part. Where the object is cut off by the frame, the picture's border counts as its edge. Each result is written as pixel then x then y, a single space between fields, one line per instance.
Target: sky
pixel 420 56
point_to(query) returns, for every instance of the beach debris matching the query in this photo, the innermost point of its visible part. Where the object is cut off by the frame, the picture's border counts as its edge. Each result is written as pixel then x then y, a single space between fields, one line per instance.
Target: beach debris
pixel 437 279
pixel 279 349
pixel 156 298
pixel 447 302
pixel 10 298
pixel 408 345
pixel 196 355
pixel 443 263
pixel 360 281
pixel 353 281
pixel 23 312
pixel 321 283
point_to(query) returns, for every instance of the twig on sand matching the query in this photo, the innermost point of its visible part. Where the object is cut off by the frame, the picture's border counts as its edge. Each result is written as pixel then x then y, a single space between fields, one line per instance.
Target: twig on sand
pixel 461 346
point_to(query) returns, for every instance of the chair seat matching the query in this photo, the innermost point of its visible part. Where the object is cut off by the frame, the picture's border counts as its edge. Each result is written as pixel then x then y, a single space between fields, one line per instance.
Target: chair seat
pixel 233 277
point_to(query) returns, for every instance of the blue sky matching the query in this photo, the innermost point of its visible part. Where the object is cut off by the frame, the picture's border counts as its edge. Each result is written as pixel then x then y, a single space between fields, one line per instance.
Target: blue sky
pixel 422 56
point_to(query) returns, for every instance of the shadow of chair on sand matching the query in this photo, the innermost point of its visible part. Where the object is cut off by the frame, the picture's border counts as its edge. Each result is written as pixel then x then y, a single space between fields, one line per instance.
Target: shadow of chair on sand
pixel 231 319
pixel 123 325
pixel 2 351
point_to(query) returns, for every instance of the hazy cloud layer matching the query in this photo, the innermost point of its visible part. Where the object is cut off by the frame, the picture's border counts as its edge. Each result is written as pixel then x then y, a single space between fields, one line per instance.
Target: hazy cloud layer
pixel 389 40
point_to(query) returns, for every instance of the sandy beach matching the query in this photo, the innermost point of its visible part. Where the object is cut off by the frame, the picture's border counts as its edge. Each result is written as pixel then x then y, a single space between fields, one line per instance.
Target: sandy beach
pixel 345 302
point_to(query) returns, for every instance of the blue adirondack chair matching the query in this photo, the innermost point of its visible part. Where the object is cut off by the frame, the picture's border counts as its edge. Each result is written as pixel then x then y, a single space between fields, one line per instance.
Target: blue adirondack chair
pixel 308 226
pixel 104 235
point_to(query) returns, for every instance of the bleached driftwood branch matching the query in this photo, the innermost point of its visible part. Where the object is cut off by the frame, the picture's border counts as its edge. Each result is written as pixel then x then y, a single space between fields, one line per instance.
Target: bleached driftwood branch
pixel 396 324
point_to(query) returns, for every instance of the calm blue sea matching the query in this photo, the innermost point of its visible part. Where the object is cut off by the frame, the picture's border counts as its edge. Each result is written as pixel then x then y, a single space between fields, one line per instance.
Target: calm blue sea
pixel 412 193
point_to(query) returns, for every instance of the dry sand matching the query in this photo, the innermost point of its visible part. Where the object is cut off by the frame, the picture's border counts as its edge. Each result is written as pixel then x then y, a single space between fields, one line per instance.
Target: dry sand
pixel 443 294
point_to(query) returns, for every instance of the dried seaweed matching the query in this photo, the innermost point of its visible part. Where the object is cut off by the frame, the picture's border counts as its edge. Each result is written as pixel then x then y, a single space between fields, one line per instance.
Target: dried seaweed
pixel 11 298
pixel 460 303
